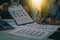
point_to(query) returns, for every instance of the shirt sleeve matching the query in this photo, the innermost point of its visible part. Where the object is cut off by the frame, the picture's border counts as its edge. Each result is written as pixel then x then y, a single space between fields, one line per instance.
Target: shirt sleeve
pixel 5 1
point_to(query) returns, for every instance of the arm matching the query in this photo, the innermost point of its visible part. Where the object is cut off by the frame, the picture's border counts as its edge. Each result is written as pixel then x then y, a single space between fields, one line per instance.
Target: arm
pixel 46 15
pixel 40 20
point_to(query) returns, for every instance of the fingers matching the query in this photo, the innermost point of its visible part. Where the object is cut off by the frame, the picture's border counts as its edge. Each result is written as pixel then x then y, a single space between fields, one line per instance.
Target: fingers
pixel 39 20
pixel 48 20
pixel 51 21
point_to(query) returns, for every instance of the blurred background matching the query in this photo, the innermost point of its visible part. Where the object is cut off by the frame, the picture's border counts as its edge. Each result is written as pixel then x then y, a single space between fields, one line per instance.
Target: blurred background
pixel 36 8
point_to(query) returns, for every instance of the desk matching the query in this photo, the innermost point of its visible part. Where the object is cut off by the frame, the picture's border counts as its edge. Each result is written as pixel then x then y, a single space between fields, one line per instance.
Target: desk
pixel 4 36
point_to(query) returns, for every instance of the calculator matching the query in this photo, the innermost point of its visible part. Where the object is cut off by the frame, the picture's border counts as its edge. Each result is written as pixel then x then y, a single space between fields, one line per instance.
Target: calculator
pixel 5 26
pixel 19 15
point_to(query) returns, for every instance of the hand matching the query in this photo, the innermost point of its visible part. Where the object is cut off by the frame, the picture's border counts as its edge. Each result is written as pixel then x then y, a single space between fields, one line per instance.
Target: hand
pixel 39 20
pixel 4 6
pixel 48 20
pixel 51 21
pixel 57 22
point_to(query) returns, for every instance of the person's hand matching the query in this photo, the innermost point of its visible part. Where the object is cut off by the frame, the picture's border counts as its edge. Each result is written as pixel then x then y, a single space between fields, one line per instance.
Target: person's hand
pixel 51 21
pixel 48 20
pixel 39 20
pixel 57 22
pixel 4 6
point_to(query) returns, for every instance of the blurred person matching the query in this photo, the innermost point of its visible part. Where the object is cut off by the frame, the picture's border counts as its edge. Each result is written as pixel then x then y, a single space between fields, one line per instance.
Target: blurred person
pixel 52 16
